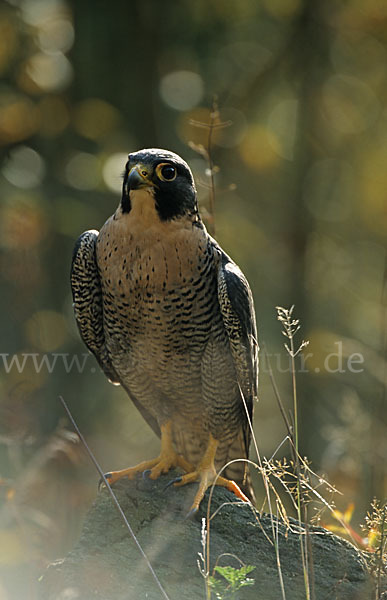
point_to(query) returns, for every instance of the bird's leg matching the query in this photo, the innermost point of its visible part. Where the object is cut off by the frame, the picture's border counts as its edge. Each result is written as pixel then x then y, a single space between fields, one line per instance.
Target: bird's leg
pixel 167 459
pixel 206 474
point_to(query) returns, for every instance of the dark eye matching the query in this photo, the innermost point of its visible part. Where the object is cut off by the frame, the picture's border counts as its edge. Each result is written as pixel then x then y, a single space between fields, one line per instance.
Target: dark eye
pixel 166 172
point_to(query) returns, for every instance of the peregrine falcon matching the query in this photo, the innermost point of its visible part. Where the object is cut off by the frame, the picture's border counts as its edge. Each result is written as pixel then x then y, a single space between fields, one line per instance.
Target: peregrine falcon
pixel 170 317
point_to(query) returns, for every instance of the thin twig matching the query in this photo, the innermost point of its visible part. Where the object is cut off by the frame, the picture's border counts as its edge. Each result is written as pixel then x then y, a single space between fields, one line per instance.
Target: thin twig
pixel 213 125
pixel 213 116
pixel 290 328
pixel 278 559
pixel 276 392
pixel 309 554
pixel 114 497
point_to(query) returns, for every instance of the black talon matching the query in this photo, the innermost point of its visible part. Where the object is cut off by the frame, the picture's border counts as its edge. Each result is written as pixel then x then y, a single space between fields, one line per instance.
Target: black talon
pixel 101 483
pixel 145 474
pixel 176 480
pixel 191 514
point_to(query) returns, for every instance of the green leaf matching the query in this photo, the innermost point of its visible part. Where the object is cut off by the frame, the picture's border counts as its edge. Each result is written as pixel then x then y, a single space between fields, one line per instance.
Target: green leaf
pixel 235 578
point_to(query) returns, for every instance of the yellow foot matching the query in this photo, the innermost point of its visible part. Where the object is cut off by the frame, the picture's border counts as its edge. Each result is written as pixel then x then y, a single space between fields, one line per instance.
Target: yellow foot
pixel 156 466
pixel 167 459
pixel 207 476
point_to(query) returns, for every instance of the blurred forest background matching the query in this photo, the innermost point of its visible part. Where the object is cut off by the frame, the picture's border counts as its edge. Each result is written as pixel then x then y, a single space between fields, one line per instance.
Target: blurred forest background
pixel 301 205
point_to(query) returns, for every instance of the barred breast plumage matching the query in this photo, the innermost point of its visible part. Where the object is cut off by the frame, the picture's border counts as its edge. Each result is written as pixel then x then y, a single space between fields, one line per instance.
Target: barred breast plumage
pixel 177 319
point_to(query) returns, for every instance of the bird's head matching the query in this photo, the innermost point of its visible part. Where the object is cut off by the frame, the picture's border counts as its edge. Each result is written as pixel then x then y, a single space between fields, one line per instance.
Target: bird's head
pixel 168 179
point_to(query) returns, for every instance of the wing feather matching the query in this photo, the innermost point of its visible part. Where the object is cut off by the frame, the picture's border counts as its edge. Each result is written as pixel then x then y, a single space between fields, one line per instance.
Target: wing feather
pixel 87 301
pixel 237 308
pixel 88 310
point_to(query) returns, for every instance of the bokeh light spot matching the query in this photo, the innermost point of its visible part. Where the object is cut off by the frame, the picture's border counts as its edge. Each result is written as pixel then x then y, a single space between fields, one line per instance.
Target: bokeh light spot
pixel 112 171
pixel 56 35
pixel 95 118
pixel 46 330
pixel 83 171
pixel 349 104
pixel 36 12
pixel 25 168
pixel 260 149
pixel 181 90
pixel 19 118
pixel 50 72
pixel 22 223
pixel 356 14
pixel 282 8
pixel 355 53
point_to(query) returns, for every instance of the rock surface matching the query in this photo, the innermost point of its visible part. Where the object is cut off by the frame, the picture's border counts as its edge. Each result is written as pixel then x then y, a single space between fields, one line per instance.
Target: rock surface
pixel 106 564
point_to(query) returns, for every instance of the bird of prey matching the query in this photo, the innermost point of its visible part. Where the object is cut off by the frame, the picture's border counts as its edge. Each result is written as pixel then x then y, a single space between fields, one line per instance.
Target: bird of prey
pixel 170 317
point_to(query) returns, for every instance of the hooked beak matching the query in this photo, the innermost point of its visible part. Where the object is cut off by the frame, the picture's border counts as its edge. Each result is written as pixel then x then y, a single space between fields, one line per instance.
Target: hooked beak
pixel 139 177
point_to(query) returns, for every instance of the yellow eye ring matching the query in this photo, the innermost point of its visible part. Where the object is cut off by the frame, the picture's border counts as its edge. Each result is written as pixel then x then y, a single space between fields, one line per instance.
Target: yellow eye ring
pixel 166 172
